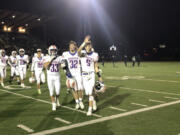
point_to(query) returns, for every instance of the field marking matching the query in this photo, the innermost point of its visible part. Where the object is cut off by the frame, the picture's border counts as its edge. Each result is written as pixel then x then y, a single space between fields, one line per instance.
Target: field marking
pixel 62 120
pixel 119 109
pixel 44 101
pixel 55 130
pixel 157 101
pixel 150 91
pixel 11 88
pixel 29 130
pixel 139 78
pixel 139 104
pixel 171 97
pixel 171 81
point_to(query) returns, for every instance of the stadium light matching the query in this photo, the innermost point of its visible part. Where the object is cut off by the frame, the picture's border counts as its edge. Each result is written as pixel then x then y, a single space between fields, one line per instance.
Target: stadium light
pixel 13 16
pixel 7 29
pixel 39 19
pixel 2 22
pixel 112 48
pixel 21 30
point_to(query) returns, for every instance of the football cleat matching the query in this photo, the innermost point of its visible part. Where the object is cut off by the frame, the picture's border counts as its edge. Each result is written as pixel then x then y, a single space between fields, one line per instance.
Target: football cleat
pixel 89 113
pixel 77 106
pixel 53 106
pixel 81 105
pixel 2 84
pixel 57 103
pixel 22 85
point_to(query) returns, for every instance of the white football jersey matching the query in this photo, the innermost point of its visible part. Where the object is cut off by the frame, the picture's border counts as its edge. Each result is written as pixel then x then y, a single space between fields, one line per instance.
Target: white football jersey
pixel 88 60
pixel 3 61
pixel 73 62
pixel 22 61
pixel 13 61
pixel 37 64
pixel 55 65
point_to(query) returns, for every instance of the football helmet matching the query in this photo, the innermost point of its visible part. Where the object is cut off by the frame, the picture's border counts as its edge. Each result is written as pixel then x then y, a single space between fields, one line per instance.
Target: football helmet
pixel 13 53
pixel 21 51
pixel 99 87
pixel 2 52
pixel 52 50
pixel 39 50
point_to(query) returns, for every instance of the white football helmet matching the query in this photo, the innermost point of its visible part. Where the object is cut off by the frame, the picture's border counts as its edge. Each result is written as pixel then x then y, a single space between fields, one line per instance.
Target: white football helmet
pixel 31 79
pixel 39 50
pixel 21 51
pixel 52 50
pixel 2 52
pixel 13 53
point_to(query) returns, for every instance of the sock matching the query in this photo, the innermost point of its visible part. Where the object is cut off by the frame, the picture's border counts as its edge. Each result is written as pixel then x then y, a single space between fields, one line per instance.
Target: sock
pixel 90 108
pixel 77 101
pixel 80 99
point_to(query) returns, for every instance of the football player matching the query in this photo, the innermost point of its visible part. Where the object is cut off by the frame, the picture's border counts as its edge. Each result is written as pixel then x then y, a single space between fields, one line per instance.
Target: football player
pixel 13 64
pixel 75 69
pixel 89 63
pixel 37 69
pixel 22 62
pixel 52 64
pixel 3 64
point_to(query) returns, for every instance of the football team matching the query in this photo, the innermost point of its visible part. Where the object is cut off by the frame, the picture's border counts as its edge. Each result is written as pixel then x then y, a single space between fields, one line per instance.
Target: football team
pixel 80 66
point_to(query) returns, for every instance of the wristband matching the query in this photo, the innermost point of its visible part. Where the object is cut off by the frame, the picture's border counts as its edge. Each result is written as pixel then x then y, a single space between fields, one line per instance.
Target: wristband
pixel 98 74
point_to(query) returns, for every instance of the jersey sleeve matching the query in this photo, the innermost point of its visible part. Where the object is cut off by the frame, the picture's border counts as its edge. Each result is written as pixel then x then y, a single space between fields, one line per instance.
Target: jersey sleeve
pixel 63 54
pixel 96 57
pixel 60 58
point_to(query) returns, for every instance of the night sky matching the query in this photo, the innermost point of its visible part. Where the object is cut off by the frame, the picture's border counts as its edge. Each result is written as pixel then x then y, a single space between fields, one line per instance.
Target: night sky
pixel 133 23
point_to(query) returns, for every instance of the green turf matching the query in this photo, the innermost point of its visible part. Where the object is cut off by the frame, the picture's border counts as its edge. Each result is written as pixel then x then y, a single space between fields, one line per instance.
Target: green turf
pixel 38 116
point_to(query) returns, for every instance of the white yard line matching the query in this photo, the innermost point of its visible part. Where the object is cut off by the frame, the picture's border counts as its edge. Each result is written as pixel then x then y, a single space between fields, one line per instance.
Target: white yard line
pixel 140 78
pixel 157 101
pixel 47 102
pixel 171 98
pixel 62 120
pixel 139 104
pixel 119 109
pixel 55 130
pixel 150 91
pixel 29 130
pixel 171 81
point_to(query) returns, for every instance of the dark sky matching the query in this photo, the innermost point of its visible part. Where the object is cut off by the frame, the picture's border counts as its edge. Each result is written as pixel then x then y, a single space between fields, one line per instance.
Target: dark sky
pixel 132 23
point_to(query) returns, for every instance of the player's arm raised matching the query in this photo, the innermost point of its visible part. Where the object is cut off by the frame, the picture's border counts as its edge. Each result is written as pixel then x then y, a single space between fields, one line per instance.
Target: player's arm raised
pixel 86 40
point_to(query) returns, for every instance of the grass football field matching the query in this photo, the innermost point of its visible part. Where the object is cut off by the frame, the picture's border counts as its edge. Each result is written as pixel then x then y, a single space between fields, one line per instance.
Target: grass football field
pixel 141 100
